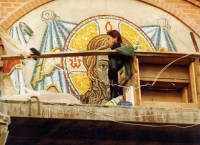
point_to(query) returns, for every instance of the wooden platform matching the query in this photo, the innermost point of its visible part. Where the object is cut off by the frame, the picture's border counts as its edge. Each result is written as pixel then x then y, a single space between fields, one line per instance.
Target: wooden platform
pixel 94 124
pixel 166 79
pixel 159 73
pixel 166 108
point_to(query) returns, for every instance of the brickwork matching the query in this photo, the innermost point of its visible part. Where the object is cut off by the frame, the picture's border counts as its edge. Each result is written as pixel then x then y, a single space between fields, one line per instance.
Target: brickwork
pixel 187 11
pixel 12 10
pixel 195 2
pixel 9 6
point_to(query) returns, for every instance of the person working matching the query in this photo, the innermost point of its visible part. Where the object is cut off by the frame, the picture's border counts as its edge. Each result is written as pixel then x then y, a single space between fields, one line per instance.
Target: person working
pixel 114 41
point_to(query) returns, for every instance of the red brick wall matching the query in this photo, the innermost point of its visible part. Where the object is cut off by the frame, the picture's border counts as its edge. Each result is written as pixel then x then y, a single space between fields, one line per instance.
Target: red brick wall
pixel 12 10
pixel 195 2
pixel 187 11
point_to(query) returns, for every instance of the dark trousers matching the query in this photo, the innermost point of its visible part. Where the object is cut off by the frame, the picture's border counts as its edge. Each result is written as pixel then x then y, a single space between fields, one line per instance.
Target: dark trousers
pixel 115 91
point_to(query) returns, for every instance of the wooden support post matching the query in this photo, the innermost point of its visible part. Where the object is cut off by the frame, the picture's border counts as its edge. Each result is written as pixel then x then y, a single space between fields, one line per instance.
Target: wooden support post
pixel 193 83
pixel 1 66
pixel 137 89
pixel 1 50
pixel 1 53
pixel 184 95
pixel 134 65
pixel 194 42
pixel 197 74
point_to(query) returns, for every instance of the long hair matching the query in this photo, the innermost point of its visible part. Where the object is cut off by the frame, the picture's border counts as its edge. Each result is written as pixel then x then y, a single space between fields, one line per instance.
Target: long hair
pixel 115 34
pixel 90 61
pixel 98 91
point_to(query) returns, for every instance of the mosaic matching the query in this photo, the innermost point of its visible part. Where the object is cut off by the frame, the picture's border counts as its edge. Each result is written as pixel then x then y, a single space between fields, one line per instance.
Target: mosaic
pixel 87 75
pixel 94 26
pixel 89 35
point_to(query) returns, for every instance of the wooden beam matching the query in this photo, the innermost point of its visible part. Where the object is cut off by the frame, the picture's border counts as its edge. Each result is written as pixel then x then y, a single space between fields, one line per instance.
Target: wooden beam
pixel 134 114
pixel 161 85
pixel 151 71
pixel 167 54
pixel 1 52
pixel 155 104
pixel 165 80
pixel 134 65
pixel 184 95
pixel 193 83
pixel 137 91
pixel 63 54
pixel 194 42
pixel 139 54
pixel 198 100
pixel 197 74
pixel 1 42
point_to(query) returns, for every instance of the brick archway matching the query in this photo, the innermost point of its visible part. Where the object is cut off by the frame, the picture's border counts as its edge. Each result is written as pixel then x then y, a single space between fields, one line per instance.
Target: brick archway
pixel 23 8
pixel 187 11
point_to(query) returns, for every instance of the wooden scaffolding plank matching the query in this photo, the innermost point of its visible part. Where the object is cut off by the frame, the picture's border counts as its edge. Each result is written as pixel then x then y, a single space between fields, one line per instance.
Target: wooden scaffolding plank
pixel 159 114
pixel 197 74
pixel 184 95
pixel 194 42
pixel 198 100
pixel 193 83
pixel 141 55
pixel 155 104
pixel 1 53
pixel 1 50
pixel 165 80
pixel 137 91
pixel 133 65
pixel 151 71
